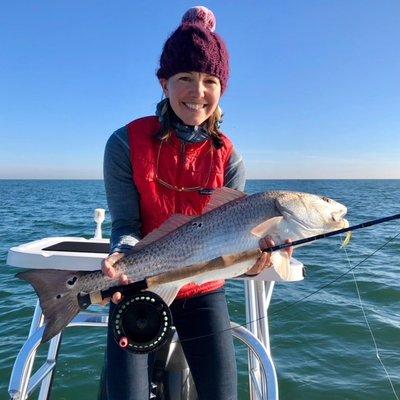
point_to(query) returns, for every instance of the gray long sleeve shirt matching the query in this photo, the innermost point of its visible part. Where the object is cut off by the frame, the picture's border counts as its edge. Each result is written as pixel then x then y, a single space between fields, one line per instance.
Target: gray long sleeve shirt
pixel 122 194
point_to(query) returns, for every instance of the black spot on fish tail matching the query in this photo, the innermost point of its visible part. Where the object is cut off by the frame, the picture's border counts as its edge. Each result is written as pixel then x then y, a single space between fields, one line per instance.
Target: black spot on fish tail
pixel 58 297
pixel 72 281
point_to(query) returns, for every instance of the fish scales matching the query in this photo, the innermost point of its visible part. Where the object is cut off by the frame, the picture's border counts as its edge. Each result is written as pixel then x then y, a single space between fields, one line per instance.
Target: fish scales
pixel 224 230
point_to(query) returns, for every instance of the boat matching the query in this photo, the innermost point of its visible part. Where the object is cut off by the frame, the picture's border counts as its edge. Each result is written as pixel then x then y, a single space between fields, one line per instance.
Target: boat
pixel 77 253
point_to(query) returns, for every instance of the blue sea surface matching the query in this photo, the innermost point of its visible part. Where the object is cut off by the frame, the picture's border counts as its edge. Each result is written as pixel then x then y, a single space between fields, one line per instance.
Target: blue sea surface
pixel 320 342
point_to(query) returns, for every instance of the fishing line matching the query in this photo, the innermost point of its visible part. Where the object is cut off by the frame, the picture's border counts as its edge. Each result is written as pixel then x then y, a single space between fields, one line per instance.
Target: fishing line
pixel 378 356
pixel 335 279
pixel 280 310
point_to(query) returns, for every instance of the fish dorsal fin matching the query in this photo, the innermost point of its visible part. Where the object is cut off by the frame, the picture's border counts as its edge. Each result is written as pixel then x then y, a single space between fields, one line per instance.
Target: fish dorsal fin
pixel 270 226
pixel 172 223
pixel 221 196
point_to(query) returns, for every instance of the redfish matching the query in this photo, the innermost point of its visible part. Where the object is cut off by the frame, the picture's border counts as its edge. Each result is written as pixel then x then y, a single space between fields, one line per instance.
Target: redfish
pixel 221 243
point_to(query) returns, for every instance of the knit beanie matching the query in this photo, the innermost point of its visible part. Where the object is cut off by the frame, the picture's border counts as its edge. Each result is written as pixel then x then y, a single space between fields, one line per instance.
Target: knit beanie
pixel 194 46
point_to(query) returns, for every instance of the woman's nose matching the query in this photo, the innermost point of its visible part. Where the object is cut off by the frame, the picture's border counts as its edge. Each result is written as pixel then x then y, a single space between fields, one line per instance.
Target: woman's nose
pixel 197 88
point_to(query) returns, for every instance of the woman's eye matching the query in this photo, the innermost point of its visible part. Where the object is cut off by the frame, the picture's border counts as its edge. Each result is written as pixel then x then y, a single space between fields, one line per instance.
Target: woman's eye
pixel 184 78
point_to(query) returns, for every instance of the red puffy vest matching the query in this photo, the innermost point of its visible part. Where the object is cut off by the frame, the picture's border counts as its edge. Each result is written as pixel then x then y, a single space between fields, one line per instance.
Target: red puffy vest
pixel 178 164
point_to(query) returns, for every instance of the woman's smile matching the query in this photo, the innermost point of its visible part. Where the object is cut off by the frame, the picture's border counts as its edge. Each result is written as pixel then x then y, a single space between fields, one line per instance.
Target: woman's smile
pixel 194 106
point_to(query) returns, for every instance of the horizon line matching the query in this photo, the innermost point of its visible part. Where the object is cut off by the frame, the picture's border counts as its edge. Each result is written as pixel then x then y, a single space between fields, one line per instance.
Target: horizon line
pixel 248 179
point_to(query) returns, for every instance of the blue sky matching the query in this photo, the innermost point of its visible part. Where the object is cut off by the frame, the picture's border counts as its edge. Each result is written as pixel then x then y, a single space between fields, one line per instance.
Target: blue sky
pixel 314 89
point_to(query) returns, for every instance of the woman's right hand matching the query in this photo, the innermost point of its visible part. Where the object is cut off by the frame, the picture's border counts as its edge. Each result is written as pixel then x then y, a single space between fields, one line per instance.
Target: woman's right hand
pixel 108 269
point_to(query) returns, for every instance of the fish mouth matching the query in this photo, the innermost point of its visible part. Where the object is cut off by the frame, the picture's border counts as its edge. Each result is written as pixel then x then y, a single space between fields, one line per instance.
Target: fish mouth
pixel 343 223
pixel 338 216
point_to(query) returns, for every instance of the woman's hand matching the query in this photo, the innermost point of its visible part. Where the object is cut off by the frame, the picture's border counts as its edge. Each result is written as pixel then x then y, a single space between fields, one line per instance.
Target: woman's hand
pixel 265 259
pixel 107 267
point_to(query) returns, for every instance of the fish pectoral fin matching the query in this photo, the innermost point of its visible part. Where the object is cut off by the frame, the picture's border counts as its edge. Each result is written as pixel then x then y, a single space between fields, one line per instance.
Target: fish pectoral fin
pixel 268 227
pixel 281 263
pixel 167 291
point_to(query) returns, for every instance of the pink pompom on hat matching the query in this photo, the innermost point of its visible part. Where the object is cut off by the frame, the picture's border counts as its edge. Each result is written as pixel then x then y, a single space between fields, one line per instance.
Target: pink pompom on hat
pixel 194 46
pixel 202 15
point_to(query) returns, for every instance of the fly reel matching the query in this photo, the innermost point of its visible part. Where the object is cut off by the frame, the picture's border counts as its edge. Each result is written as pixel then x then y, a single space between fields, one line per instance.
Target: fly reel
pixel 141 322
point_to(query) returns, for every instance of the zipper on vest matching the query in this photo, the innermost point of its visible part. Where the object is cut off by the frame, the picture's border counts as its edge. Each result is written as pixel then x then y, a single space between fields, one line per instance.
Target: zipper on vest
pixel 180 174
pixel 182 163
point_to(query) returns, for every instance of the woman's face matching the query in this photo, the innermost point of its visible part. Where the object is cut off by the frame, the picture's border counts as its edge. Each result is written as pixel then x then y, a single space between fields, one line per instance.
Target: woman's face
pixel 193 96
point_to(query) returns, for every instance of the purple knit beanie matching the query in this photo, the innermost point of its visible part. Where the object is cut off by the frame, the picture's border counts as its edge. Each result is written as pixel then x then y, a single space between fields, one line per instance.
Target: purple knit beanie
pixel 194 46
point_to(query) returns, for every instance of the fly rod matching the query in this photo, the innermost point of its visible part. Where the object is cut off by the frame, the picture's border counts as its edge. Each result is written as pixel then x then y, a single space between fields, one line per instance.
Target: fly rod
pixel 86 300
pixel 333 233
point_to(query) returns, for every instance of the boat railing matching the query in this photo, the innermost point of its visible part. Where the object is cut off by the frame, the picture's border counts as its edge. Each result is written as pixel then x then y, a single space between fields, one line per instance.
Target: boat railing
pixel 23 383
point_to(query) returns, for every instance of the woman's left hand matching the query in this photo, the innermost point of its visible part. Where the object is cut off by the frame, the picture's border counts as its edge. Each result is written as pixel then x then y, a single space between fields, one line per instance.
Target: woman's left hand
pixel 265 259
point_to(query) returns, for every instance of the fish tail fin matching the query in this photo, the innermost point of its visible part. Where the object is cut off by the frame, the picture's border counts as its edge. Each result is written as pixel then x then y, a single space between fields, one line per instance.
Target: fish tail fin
pixel 58 296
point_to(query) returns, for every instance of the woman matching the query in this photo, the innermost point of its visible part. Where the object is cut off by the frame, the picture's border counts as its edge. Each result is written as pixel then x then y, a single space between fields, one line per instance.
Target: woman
pixel 168 164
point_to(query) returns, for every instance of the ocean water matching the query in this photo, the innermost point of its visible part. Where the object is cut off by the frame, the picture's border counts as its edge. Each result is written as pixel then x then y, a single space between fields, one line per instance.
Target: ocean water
pixel 320 344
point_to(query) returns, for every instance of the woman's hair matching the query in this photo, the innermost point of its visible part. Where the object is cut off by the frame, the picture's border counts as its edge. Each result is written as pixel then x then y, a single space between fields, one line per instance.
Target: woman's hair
pixel 168 119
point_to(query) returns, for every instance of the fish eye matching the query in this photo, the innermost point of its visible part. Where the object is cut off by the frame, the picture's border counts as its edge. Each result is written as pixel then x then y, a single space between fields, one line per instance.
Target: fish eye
pixel 327 199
